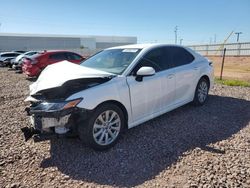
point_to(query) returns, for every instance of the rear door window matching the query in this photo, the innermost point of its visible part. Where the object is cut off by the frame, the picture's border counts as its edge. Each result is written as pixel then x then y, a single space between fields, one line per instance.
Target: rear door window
pixel 58 56
pixel 15 55
pixel 73 56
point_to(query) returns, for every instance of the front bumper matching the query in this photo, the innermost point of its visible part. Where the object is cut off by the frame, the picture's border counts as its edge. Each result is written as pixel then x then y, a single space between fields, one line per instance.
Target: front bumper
pixel 2 63
pixel 44 121
pixel 63 122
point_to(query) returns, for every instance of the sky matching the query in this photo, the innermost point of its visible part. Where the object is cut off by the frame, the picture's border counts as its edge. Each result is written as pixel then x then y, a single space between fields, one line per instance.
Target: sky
pixel 198 21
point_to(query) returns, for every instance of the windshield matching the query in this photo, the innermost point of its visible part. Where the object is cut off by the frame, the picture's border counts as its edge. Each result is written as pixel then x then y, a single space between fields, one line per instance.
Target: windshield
pixel 114 60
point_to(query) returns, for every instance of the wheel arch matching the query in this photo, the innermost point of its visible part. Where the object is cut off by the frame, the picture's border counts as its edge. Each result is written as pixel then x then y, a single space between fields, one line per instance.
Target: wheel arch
pixel 206 77
pixel 120 105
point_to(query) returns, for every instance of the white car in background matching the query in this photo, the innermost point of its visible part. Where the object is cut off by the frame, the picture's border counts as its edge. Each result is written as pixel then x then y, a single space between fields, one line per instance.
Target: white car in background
pixel 17 62
pixel 116 89
pixel 6 57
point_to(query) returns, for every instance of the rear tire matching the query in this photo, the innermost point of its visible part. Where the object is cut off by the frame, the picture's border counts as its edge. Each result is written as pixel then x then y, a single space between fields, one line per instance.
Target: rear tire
pixel 201 92
pixel 103 129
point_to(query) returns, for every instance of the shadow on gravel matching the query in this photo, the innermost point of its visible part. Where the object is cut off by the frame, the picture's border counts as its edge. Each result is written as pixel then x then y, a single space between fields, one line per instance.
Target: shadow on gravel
pixel 145 151
pixel 31 79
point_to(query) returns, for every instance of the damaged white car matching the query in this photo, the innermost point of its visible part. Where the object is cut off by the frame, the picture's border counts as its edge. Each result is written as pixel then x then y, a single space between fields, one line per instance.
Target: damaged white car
pixel 116 89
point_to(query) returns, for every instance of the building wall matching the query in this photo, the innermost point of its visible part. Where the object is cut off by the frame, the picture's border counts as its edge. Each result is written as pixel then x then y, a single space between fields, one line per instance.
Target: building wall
pixel 88 44
pixel 8 43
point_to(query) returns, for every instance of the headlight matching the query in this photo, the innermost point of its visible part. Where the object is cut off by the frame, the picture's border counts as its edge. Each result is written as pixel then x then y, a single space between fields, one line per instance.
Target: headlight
pixel 57 106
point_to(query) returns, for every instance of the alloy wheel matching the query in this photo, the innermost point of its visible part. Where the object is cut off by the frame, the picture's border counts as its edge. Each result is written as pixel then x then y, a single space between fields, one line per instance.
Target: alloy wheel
pixel 106 127
pixel 202 91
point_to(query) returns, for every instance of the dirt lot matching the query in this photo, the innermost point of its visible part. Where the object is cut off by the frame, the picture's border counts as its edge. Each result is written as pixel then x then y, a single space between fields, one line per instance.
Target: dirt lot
pixel 234 67
pixel 189 147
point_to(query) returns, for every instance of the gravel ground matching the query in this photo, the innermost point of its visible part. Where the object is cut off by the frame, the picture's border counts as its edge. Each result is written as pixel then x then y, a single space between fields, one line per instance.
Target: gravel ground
pixel 207 146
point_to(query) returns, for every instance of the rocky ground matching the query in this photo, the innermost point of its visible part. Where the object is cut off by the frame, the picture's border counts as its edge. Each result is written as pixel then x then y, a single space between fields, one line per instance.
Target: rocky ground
pixel 207 146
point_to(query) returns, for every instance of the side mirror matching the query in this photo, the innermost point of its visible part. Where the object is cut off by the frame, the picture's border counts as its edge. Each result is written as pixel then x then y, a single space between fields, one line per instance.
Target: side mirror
pixel 144 71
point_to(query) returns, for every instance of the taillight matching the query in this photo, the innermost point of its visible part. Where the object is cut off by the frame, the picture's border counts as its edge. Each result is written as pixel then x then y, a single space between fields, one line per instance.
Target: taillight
pixel 33 61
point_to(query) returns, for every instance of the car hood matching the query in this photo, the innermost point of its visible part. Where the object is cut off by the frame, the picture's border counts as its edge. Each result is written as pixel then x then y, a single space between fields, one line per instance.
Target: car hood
pixel 57 74
pixel 19 57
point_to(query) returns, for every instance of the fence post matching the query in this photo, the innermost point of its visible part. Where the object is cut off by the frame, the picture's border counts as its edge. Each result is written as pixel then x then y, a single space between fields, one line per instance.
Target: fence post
pixel 239 49
pixel 222 64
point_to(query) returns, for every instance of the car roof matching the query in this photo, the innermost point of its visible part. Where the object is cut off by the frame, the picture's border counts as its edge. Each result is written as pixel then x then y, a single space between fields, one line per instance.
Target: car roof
pixel 3 53
pixel 144 46
pixel 53 51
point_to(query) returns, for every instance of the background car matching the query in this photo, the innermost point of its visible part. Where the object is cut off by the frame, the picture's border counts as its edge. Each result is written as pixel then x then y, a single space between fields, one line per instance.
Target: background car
pixel 6 57
pixel 117 89
pixel 17 62
pixel 32 66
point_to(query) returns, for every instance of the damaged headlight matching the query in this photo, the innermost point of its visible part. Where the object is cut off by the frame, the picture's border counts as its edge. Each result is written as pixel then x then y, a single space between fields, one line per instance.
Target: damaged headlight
pixel 56 106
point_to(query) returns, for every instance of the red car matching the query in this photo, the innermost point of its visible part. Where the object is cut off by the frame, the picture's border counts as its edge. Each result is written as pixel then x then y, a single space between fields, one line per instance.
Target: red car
pixel 34 65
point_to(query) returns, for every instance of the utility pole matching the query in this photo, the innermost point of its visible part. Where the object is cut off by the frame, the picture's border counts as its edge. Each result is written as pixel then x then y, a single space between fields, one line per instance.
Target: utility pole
pixel 215 38
pixel 210 40
pixel 238 35
pixel 175 31
pixel 181 41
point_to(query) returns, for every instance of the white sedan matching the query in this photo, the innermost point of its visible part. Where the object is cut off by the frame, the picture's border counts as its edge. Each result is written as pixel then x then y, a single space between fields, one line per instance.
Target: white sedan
pixel 117 89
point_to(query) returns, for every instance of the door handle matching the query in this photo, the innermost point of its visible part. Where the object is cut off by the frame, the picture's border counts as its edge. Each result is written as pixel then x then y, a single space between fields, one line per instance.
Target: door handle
pixel 195 68
pixel 170 76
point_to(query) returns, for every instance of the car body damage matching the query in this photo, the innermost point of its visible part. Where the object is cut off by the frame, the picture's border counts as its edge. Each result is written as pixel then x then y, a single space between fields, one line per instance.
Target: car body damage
pixel 116 89
pixel 49 110
pixel 58 74
pixel 68 88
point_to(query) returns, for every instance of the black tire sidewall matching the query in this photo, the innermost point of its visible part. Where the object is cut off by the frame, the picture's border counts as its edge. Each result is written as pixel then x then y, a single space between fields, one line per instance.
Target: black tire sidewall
pixel 196 100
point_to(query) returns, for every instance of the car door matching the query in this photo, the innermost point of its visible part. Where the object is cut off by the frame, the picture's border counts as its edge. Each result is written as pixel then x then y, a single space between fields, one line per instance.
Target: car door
pixel 169 80
pixel 149 95
pixel 185 74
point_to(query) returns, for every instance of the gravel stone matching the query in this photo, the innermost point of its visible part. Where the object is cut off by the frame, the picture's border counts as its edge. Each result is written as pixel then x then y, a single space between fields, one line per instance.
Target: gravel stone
pixel 206 146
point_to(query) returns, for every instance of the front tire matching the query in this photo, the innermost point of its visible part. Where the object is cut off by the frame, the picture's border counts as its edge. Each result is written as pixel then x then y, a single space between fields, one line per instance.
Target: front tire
pixel 201 92
pixel 102 130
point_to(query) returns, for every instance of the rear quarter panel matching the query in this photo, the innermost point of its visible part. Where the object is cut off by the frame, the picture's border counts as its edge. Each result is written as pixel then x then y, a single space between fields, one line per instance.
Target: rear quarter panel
pixel 42 61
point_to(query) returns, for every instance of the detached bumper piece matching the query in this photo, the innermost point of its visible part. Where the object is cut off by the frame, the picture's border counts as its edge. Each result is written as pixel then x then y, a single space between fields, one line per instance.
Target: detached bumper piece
pixel 28 132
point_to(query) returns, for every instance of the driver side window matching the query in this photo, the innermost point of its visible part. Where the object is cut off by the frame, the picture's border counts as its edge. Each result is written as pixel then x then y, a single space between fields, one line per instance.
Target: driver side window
pixel 155 58
pixel 145 63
